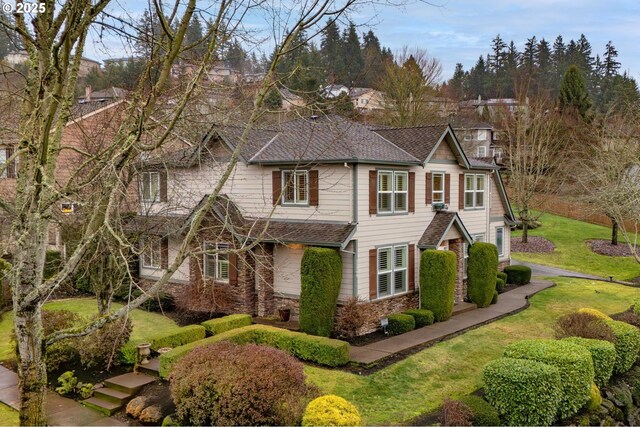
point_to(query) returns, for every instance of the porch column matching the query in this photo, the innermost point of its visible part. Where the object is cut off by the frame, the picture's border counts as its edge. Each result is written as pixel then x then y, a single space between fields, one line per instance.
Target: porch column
pixel 455 245
pixel 264 279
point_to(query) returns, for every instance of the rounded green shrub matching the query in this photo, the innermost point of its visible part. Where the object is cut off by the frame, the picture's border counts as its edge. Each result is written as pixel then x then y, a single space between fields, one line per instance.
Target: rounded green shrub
pixel 494 300
pixel 438 282
pixel 518 274
pixel 573 362
pixel 595 312
pixel 500 284
pixel 627 345
pixel 502 275
pixel 481 273
pixel 595 399
pixel 421 316
pixel 483 413
pixel 524 392
pixel 321 276
pixel 603 354
pixel 331 410
pixel 400 323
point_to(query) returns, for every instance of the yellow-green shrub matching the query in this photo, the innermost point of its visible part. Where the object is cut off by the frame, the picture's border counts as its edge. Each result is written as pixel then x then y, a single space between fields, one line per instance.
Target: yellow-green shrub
pixel 627 345
pixel 331 410
pixel 595 399
pixel 603 354
pixel 594 312
pixel 226 323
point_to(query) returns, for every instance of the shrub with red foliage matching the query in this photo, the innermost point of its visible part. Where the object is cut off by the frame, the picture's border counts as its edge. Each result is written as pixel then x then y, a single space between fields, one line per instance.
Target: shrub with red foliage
pixel 228 384
pixel 455 413
pixel 583 325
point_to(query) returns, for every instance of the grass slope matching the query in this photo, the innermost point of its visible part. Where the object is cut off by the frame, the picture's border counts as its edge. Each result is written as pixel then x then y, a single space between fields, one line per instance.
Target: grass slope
pixel 8 416
pixel 572 252
pixel 453 368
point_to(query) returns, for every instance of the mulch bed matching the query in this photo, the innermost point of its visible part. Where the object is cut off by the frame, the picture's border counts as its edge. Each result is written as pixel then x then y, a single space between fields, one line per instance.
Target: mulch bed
pixel 535 244
pixel 604 247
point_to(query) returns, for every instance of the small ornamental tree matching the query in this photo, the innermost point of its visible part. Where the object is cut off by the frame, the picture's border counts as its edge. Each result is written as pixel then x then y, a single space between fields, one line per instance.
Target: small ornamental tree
pixel 481 273
pixel 320 276
pixel 438 282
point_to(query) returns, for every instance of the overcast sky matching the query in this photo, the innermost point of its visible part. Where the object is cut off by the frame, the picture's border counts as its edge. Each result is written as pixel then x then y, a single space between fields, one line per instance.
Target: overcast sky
pixel 461 30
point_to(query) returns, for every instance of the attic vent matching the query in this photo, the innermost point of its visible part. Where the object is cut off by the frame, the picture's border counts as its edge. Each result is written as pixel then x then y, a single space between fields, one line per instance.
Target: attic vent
pixel 314 117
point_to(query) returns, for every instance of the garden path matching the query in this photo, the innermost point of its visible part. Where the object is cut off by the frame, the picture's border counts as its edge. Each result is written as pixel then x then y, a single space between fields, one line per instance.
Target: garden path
pixel 545 270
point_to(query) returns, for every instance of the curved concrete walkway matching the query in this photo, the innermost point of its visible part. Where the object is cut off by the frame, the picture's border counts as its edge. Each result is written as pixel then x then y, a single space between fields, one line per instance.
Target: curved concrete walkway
pixel 508 303
pixel 545 270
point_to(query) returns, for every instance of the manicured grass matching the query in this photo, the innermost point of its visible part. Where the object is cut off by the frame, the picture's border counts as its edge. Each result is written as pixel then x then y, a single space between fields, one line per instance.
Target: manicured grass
pixel 453 368
pixel 144 323
pixel 8 416
pixel 572 252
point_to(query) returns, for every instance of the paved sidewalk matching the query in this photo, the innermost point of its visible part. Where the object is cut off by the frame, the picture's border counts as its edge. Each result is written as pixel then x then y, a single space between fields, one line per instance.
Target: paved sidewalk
pixel 508 302
pixel 545 270
pixel 60 410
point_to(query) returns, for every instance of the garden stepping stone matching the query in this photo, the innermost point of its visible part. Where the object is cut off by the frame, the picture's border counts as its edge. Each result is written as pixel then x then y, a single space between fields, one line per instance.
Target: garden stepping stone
pixel 117 391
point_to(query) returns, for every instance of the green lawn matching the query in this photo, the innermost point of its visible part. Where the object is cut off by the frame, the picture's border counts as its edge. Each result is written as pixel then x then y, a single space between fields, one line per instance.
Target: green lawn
pixel 144 323
pixel 452 368
pixel 572 252
pixel 8 416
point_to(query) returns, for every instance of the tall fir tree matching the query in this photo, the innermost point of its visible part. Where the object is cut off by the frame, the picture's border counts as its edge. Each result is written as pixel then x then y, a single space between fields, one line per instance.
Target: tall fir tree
pixel 455 85
pixel 354 63
pixel 373 63
pixel 498 49
pixel 477 79
pixel 544 78
pixel 331 51
pixel 193 39
pixel 573 92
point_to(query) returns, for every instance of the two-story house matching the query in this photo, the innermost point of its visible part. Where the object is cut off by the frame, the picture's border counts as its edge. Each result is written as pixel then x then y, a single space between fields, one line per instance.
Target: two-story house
pixel 378 196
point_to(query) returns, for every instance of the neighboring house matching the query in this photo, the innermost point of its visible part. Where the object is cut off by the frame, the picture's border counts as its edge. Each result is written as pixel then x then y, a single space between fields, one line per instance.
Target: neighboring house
pixel 478 138
pixel 86 64
pixel 291 101
pixel 366 100
pixel 378 196
pixel 334 91
pixel 108 94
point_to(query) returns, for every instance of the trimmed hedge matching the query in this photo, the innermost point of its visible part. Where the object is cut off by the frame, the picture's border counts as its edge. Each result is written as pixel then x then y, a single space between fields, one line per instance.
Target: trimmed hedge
pixel 421 316
pixel 321 350
pixel 483 413
pixel 596 313
pixel 481 273
pixel 573 362
pixel 227 323
pixel 331 410
pixel 518 274
pixel 185 335
pixel 320 278
pixel 603 354
pixel 500 284
pixel 524 392
pixel 627 345
pixel 502 275
pixel 400 323
pixel 494 300
pixel 438 283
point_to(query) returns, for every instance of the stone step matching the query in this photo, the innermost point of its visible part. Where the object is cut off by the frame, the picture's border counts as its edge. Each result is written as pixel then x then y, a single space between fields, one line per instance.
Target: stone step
pixel 152 368
pixel 463 307
pixel 130 383
pixel 112 395
pixel 106 407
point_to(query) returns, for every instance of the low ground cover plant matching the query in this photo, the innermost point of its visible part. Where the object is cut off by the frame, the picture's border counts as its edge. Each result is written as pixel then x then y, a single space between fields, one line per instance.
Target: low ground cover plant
pixel 331 410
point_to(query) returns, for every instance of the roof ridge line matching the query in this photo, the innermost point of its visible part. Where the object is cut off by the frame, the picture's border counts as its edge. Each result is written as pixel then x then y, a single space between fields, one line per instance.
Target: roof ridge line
pixel 399 148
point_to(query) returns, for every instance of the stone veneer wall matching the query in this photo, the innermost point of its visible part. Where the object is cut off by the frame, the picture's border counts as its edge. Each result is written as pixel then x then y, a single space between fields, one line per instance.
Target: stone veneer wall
pixel 504 264
pixel 263 260
pixel 455 245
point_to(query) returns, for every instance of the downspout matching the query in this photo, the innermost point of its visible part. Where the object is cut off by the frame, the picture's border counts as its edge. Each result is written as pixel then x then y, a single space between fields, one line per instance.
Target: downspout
pixel 354 172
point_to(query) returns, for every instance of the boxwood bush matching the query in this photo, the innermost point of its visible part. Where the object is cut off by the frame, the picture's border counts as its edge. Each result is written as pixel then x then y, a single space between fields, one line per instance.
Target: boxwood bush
pixel 321 350
pixel 481 273
pixel 438 282
pixel 502 275
pixel 524 392
pixel 185 335
pixel 226 323
pixel 627 345
pixel 573 362
pixel 331 410
pixel 500 284
pixel 483 413
pixel 603 354
pixel 320 276
pixel 494 300
pixel 400 323
pixel 422 317
pixel 518 274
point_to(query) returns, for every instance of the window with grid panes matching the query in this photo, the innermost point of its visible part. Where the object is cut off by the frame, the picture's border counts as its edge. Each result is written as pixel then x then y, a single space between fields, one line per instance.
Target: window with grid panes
pixel 392 270
pixel 216 264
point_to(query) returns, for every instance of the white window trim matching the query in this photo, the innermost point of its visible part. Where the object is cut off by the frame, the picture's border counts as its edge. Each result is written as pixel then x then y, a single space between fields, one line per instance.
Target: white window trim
pixel 433 188
pixel 150 176
pixel 393 192
pixel 393 270
pixel 217 261
pixel 484 151
pixel 148 248
pixel 474 190
pixel 465 259
pixel 468 136
pixel 296 200
pixel 500 247
pixel 479 237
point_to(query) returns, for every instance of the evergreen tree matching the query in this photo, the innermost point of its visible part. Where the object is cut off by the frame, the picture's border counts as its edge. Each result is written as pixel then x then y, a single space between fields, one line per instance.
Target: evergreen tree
pixel 331 51
pixel 150 34
pixel 610 65
pixel 456 84
pixel 498 48
pixel 354 63
pixel 373 62
pixel 545 80
pixel 558 57
pixel 477 79
pixel 573 93
pixel 193 39
pixel 235 56
pixel 529 56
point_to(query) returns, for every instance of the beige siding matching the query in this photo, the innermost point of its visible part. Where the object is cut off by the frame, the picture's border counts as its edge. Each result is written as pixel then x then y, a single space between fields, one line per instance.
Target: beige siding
pixel 182 273
pixel 507 238
pixel 497 208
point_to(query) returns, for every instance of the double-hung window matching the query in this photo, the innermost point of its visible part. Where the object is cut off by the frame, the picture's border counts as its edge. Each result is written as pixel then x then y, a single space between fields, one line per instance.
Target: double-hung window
pixel 150 186
pixel 474 190
pixel 437 187
pixel 392 270
pixel 500 240
pixel 216 261
pixel 481 151
pixel 152 252
pixel 465 259
pixel 393 191
pixel 478 237
pixel 296 187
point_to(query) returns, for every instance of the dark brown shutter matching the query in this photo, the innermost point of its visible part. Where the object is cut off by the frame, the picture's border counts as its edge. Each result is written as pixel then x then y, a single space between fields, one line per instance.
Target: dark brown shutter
pixel 11 166
pixel 428 190
pixel 233 269
pixel 412 267
pixel 461 192
pixel 412 191
pixel 313 187
pixel 164 253
pixel 447 188
pixel 373 274
pixel 163 186
pixel 276 183
pixel 373 193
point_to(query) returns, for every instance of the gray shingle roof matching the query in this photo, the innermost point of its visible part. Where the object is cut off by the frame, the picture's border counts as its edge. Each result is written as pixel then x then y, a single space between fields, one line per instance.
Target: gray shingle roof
pixel 159 225
pixel 418 141
pixel 307 232
pixel 482 163
pixel 438 227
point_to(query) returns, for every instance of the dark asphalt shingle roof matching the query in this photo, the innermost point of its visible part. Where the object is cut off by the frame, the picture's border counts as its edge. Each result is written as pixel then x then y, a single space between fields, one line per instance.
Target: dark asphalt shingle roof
pixel 158 225
pixel 439 225
pixel 307 232
pixel 482 163
pixel 418 141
